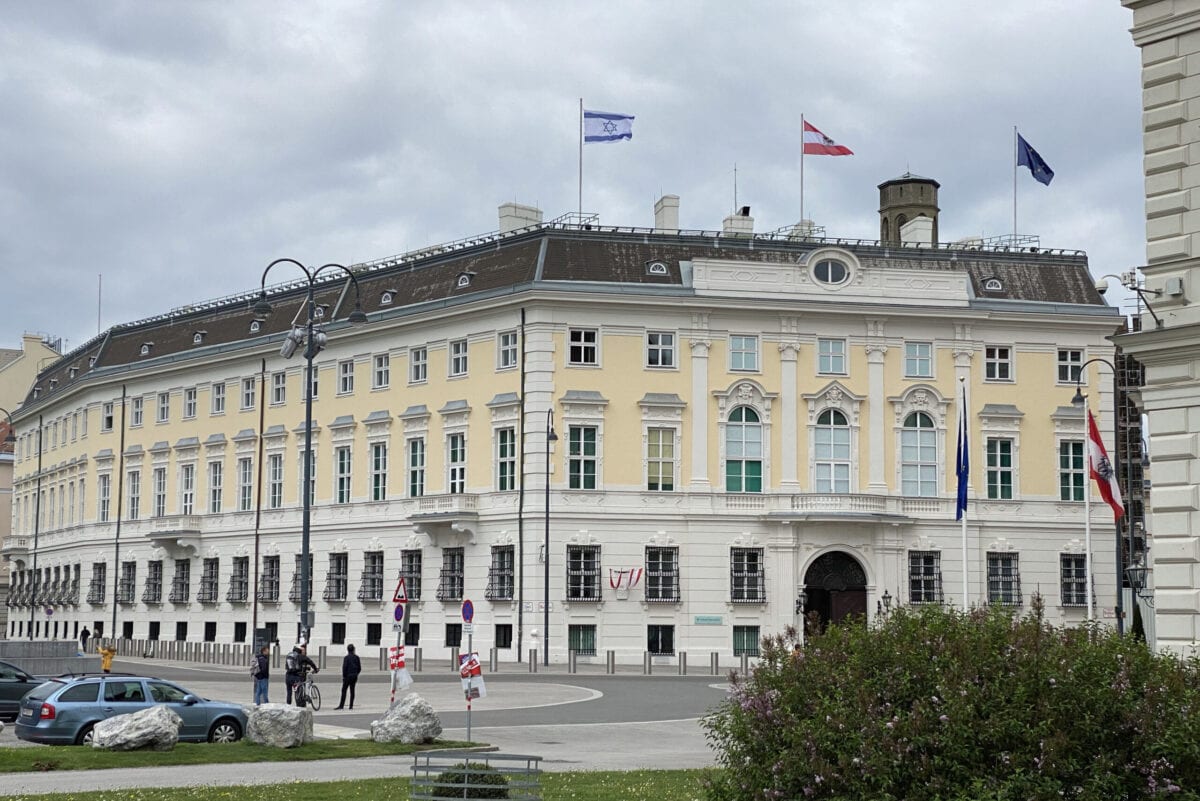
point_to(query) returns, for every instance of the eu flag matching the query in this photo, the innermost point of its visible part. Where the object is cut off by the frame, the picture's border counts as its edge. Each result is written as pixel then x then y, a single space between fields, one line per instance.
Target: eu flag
pixel 962 466
pixel 1028 157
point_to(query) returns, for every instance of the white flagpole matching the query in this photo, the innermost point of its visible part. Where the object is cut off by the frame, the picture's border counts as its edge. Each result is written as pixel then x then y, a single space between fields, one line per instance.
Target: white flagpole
pixel 962 411
pixel 581 157
pixel 1087 516
pixel 1014 185
pixel 802 168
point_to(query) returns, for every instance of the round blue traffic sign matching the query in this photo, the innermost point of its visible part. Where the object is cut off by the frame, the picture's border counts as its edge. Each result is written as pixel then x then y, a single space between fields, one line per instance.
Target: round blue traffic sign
pixel 468 611
pixel 399 613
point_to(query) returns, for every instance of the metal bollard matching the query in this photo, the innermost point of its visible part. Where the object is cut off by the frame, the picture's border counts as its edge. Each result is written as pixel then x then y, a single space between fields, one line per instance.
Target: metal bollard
pixel 647 665
pixel 714 663
pixel 745 664
pixel 275 656
pixel 683 663
pixel 493 659
pixel 572 664
pixel 454 653
pixel 533 660
pixel 417 659
pixel 321 657
pixel 610 662
pixel 382 658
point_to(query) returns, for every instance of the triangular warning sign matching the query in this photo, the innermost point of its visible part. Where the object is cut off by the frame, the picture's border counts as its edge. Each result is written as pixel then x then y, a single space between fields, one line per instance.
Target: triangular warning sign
pixel 401 594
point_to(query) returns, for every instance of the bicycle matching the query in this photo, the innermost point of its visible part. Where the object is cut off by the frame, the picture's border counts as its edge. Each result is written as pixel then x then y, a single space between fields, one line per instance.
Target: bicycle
pixel 308 693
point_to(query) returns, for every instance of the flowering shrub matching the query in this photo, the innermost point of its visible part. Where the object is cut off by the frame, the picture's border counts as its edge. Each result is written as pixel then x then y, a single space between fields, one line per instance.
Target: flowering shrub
pixel 933 704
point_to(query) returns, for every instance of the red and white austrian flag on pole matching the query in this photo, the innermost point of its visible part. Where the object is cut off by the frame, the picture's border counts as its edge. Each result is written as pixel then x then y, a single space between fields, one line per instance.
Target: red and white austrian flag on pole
pixel 1102 470
pixel 818 144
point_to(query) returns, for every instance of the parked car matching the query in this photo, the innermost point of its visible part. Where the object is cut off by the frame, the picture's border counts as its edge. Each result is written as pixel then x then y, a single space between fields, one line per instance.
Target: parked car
pixel 65 709
pixel 14 683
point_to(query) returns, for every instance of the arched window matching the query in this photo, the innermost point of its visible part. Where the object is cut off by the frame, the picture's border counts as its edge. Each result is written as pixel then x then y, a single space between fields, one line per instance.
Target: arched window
pixel 832 452
pixel 743 451
pixel 918 456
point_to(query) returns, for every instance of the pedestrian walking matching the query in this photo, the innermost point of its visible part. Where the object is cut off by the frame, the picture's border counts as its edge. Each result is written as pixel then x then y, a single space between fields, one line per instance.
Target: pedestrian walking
pixel 351 667
pixel 107 652
pixel 83 638
pixel 295 665
pixel 262 675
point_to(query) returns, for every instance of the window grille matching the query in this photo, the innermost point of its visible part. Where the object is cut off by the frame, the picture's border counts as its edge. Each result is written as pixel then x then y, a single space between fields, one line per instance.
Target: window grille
pixel 583 572
pixel 662 575
pixel 294 592
pixel 268 584
pixel 450 582
pixel 239 580
pixel 410 571
pixel 746 577
pixel 501 574
pixel 925 577
pixel 1074 579
pixel 338 579
pixel 371 588
pixel 1004 579
pixel 209 580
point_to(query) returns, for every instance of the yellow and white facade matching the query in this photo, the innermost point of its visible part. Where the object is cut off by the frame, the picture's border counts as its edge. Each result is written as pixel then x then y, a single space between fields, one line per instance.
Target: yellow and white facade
pixel 739 419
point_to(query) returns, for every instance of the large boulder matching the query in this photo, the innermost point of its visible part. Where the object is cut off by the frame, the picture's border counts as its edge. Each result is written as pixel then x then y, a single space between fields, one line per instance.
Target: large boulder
pixel 411 720
pixel 280 725
pixel 156 728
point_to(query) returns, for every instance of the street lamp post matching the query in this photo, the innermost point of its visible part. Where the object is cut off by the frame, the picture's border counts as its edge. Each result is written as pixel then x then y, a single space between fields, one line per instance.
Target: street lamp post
pixel 551 437
pixel 1080 401
pixel 313 342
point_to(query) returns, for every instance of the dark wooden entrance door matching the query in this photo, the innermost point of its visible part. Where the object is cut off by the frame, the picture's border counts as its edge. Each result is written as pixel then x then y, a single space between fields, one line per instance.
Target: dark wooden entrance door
pixel 836 589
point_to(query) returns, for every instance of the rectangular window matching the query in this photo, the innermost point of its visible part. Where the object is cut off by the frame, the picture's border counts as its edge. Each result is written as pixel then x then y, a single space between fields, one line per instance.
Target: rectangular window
pixel 275 481
pixel 216 486
pixel 268 582
pixel 152 592
pixel 454 635
pixel 164 407
pixel 660 459
pixel 106 417
pixel 1071 479
pixel 374 633
pixel 745 640
pixel 583 572
pixel 501 574
pixel 660 640
pixel 458 357
pixel 160 492
pixel 342 475
pixel 314 384
pixel 831 359
pixel 1070 361
pixel 450 582
pixel 312 478
pixel 456 449
pixel 248 393
pixel 925 577
pixel 278 389
pixel 1004 579
pixel 918 359
pixel 337 580
pixel 134 479
pixel 239 580
pixel 245 468
pixel 103 490
pixel 379 471
pixel 582 348
pixel 504 635
pixel 997 363
pixel 743 352
pixel 381 377
pixel 127 584
pixel 181 582
pixel 747 580
pixel 662 575
pixel 999 453
pixel 345 377
pixel 1074 579
pixel 136 412
pixel 97 588
pixel 371 588
pixel 189 403
pixel 582 639
pixel 297 576
pixel 506 459
pixel 660 349
pixel 337 633
pixel 418 365
pixel 210 579
pixel 581 457
pixel 410 571
pixel 218 398
pixel 416 468
pixel 506 350
pixel 187 489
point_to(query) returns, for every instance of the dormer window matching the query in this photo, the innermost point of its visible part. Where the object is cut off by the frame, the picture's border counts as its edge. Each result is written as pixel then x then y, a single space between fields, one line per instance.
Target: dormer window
pixel 993 285
pixel 464 280
pixel 71 372
pixel 386 298
pixel 656 268
pixel 198 337
pixel 91 361
pixel 254 326
pixel 37 392
pixel 53 383
pixel 319 312
pixel 146 348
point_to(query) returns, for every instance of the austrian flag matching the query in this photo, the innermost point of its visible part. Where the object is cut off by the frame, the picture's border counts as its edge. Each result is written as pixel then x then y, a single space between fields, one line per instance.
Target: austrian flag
pixel 818 144
pixel 1102 470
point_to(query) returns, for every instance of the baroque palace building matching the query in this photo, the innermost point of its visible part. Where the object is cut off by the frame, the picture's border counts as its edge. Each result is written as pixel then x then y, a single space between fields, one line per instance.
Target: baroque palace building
pixel 747 427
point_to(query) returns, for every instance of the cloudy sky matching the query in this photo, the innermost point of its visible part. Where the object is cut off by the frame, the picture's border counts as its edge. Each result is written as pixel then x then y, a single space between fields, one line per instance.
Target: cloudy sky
pixel 177 148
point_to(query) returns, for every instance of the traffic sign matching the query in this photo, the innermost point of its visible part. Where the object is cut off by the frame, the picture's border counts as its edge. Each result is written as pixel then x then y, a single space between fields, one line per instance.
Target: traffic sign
pixel 468 628
pixel 399 613
pixel 400 596
pixel 397 626
pixel 468 611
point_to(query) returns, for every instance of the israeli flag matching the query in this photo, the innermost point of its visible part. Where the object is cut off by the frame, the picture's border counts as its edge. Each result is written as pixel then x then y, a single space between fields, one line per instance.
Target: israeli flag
pixel 603 126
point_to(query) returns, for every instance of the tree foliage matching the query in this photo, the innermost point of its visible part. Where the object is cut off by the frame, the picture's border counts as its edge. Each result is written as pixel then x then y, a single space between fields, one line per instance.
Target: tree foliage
pixel 933 704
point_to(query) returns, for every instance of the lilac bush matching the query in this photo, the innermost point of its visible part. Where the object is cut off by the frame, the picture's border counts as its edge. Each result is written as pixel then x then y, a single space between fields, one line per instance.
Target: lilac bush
pixel 933 704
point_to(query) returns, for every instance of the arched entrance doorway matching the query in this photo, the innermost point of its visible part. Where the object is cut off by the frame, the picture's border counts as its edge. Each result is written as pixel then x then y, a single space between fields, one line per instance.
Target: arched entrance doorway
pixel 835 587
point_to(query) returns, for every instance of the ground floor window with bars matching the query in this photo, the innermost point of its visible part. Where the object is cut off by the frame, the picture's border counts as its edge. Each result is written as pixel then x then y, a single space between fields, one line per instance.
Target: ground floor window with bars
pixel 127 587
pixel 1004 578
pixel 1074 579
pixel 583 572
pixel 209 579
pixel 660 640
pixel 452 577
pixel 337 580
pixel 181 582
pixel 268 582
pixel 410 571
pixel 239 580
pixel 745 640
pixel 96 590
pixel 501 574
pixel 662 575
pixel 371 588
pixel 152 592
pixel 294 592
pixel 746 576
pixel 582 639
pixel 925 577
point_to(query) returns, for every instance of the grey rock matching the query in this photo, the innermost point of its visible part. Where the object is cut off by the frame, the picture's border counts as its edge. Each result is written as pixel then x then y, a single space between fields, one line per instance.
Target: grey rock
pixel 411 720
pixel 280 725
pixel 156 728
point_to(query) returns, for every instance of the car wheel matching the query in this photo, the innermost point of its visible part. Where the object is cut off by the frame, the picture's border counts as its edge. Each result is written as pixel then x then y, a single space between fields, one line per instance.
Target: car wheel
pixel 85 736
pixel 225 731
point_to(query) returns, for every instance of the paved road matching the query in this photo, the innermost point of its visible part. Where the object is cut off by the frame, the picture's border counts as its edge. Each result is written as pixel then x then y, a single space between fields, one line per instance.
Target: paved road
pixel 573 721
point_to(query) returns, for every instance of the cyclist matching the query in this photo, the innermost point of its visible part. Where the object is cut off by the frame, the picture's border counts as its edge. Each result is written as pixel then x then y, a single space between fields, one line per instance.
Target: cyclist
pixel 297 664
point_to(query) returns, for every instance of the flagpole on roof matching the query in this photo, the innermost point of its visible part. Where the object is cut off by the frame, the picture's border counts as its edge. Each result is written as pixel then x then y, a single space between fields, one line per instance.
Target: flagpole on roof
pixel 581 157
pixel 801 168
pixel 1014 184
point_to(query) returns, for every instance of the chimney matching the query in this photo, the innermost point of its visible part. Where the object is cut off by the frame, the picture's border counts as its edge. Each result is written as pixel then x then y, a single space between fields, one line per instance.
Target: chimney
pixel 666 214
pixel 917 232
pixel 514 216
pixel 740 223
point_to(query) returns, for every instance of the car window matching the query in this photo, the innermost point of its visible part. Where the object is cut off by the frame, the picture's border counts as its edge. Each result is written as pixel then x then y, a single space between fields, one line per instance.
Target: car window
pixel 85 692
pixel 43 690
pixel 166 693
pixel 123 691
pixel 9 672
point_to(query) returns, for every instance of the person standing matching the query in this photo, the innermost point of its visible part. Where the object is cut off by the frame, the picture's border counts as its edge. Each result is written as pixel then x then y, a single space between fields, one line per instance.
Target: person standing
pixel 351 667
pixel 295 665
pixel 262 675
pixel 83 638
pixel 107 652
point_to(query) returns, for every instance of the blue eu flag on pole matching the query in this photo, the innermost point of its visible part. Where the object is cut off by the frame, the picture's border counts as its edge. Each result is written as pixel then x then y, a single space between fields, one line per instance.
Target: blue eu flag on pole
pixel 1028 157
pixel 962 464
